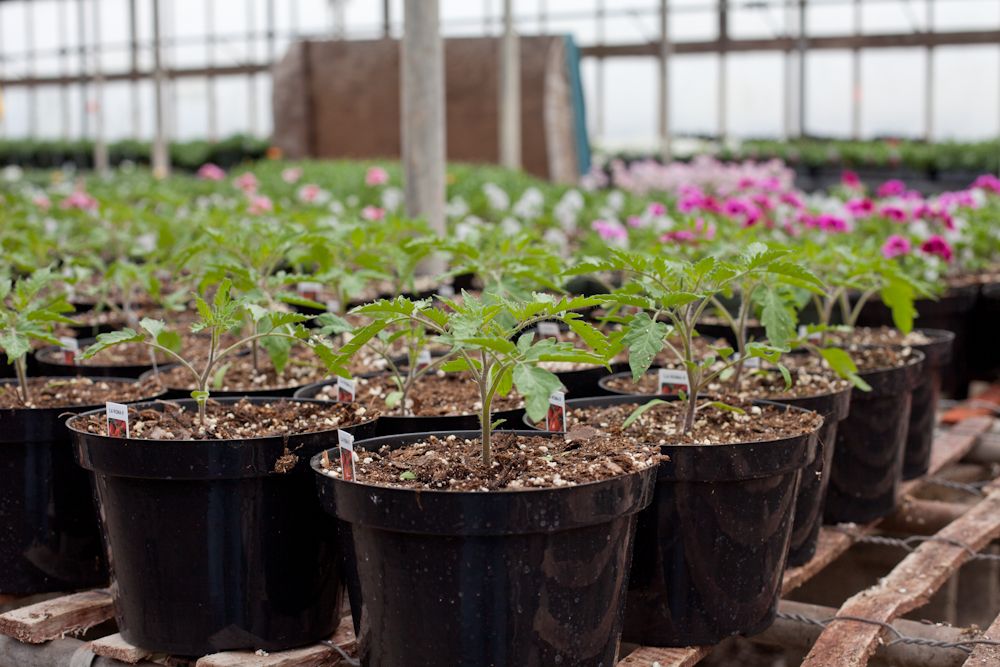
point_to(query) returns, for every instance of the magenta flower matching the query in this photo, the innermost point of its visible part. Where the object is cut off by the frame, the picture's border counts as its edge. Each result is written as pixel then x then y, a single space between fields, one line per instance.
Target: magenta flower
pixel 246 182
pixel 936 245
pixel 291 175
pixel 635 221
pixel 42 202
pixel 895 246
pixel 892 188
pixel 860 208
pixel 80 200
pixel 657 209
pixel 894 213
pixel 988 182
pixel 373 213
pixel 792 200
pixel 211 172
pixel 309 193
pixel 849 179
pixel 259 205
pixel 609 231
pixel 376 176
pixel 679 236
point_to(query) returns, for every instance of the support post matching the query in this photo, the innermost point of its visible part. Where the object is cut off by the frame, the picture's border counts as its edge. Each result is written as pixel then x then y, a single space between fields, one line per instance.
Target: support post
pixel 803 48
pixel 510 92
pixel 929 79
pixel 723 82
pixel 211 101
pixel 663 123
pixel 856 77
pixel 62 27
pixel 251 77
pixel 100 147
pixel 133 46
pixel 29 61
pixel 423 115
pixel 161 156
pixel 81 30
pixel 386 19
pixel 599 83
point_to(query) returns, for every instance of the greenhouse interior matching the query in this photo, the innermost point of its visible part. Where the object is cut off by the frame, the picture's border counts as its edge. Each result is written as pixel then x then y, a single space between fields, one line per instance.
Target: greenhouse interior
pixel 647 333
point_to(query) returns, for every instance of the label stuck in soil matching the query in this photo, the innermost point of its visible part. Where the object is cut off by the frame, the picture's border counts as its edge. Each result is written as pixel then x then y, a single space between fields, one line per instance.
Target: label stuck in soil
pixel 309 290
pixel 346 441
pixel 751 363
pixel 556 420
pixel 345 390
pixel 548 330
pixel 70 348
pixel 672 381
pixel 333 306
pixel 117 420
pixel 424 359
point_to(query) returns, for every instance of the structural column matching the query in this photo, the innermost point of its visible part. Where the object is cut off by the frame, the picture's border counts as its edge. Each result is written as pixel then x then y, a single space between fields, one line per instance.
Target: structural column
pixel 599 82
pixel 29 44
pixel 100 147
pixel 210 99
pixel 251 77
pixel 856 77
pixel 510 92
pixel 663 124
pixel 723 97
pixel 423 113
pixel 929 79
pixel 133 46
pixel 161 155
pixel 803 47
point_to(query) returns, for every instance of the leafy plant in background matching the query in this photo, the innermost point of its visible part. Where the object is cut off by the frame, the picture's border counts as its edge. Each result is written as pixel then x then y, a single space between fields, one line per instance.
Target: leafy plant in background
pixel 223 315
pixel 29 309
pixel 490 339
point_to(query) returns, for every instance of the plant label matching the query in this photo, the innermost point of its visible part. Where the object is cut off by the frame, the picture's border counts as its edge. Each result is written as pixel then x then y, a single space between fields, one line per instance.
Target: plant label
pixel 345 390
pixel 548 330
pixel 117 420
pixel 671 381
pixel 70 349
pixel 447 290
pixel 309 290
pixel 804 333
pixel 424 359
pixel 333 306
pixel 752 363
pixel 346 441
pixel 556 419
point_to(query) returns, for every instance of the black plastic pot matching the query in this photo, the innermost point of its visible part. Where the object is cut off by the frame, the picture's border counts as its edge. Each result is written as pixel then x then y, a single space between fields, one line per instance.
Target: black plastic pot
pixel 925 397
pixel 50 538
pixel 710 550
pixel 398 425
pixel 533 578
pixel 586 382
pixel 952 312
pixel 210 548
pixel 51 362
pixel 983 349
pixel 868 457
pixel 725 332
pixel 816 475
pixel 184 393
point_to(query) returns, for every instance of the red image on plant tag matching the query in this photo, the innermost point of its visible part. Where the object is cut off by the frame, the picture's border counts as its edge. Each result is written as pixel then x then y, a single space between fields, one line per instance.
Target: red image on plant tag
pixel 117 420
pixel 345 390
pixel 555 420
pixel 672 381
pixel 117 428
pixel 70 349
pixel 346 441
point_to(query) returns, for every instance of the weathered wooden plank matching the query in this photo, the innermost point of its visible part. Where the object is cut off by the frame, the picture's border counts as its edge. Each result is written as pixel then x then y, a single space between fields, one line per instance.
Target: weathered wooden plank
pixel 665 657
pixel 310 656
pixel 115 647
pixel 55 618
pixel 986 655
pixel 910 584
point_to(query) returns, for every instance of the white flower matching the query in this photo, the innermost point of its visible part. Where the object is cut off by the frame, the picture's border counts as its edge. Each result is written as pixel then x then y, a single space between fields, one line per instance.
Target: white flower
pixel 531 204
pixel 510 226
pixel 497 197
pixel 615 200
pixel 456 208
pixel 392 198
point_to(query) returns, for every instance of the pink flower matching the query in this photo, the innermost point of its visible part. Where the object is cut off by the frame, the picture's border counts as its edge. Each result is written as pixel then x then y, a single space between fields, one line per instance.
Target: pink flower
pixel 936 245
pixel 988 182
pixel 291 175
pixel 259 204
pixel 708 231
pixel 309 193
pixel 609 231
pixel 894 213
pixel 246 182
pixel 680 236
pixel 42 202
pixel 80 200
pixel 792 200
pixel 372 213
pixel 892 188
pixel 895 246
pixel 376 176
pixel 657 209
pixel 635 221
pixel 860 208
pixel 211 172
pixel 849 179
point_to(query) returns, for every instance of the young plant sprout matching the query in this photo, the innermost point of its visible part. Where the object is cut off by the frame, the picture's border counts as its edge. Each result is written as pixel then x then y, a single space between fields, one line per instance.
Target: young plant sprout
pixel 29 309
pixel 506 265
pixel 673 296
pixel 276 331
pixel 489 339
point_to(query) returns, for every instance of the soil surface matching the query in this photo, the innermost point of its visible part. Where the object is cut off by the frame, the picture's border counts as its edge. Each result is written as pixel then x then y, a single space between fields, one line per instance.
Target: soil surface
pixel 74 391
pixel 810 374
pixel 882 336
pixel 519 462
pixel 233 421
pixel 663 424
pixel 879 357
pixel 436 394
pixel 303 368
pixel 648 382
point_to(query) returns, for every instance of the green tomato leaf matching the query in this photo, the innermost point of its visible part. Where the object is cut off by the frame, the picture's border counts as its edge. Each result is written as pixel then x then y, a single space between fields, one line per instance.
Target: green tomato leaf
pixel 644 340
pixel 536 385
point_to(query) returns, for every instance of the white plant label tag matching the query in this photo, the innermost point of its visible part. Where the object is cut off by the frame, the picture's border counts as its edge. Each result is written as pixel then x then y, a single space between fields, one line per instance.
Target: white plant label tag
pixel 752 363
pixel 671 381
pixel 556 418
pixel 548 330
pixel 804 333
pixel 346 442
pixel 345 390
pixel 117 420
pixel 333 306
pixel 70 349
pixel 424 359
pixel 447 290
pixel 309 290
